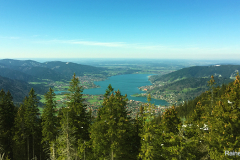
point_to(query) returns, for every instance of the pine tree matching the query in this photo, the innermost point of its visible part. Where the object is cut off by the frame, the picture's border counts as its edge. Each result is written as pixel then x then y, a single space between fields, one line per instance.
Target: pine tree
pixel 2 120
pixel 7 115
pixel 27 128
pixel 77 110
pixel 211 84
pixel 110 133
pixel 32 120
pixel 79 119
pixel 100 144
pixel 148 132
pixel 49 120
pixel 195 145
pixel 171 126
pixel 20 136
pixel 66 140
pixel 137 125
pixel 224 124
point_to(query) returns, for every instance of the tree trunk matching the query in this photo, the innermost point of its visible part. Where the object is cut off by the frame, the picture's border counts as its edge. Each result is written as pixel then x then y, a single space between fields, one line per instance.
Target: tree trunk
pixel 53 152
pixel 111 150
pixel 41 152
pixel 84 150
pixel 33 148
pixel 28 146
pixel 112 154
pixel 68 157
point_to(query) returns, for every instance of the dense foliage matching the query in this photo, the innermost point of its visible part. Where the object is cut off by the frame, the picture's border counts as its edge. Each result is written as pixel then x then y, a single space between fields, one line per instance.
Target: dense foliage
pixel 210 130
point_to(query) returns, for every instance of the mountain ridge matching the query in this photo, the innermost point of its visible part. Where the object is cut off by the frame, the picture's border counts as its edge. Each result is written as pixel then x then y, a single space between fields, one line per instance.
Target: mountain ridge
pixel 225 71
pixel 53 70
pixel 190 82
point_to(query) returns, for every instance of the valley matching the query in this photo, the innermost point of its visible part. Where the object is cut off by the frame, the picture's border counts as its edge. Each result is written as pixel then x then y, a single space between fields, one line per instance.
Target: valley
pixel 185 84
pixel 173 82
pixel 94 95
pixel 168 84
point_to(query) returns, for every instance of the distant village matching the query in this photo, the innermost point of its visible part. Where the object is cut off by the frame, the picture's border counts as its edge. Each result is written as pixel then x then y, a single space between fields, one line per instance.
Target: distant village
pixel 93 102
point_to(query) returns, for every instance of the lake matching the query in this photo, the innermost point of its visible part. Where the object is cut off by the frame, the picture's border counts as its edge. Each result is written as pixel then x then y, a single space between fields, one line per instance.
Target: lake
pixel 127 84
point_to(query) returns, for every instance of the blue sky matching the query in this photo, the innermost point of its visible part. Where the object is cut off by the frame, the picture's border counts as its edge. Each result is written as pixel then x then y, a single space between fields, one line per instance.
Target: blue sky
pixel 159 29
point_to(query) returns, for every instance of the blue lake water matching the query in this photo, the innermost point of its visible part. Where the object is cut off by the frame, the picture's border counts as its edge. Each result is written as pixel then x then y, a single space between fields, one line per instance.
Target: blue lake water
pixel 127 84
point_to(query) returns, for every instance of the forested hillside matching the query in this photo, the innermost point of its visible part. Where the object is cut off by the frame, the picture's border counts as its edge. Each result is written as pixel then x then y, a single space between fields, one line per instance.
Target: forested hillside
pixel 19 89
pixel 42 73
pixel 188 83
pixel 210 131
pixel 68 68
pixel 29 70
pixel 18 75
pixel 225 71
pixel 189 88
pixel 13 62
pixel 209 97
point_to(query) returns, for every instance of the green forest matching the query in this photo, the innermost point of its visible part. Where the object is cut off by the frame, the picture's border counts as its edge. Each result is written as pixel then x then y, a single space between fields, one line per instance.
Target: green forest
pixel 206 127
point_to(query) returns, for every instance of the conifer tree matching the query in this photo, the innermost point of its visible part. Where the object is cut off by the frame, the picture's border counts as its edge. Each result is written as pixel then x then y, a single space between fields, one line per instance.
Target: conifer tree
pixel 171 126
pixel 20 135
pixel 49 120
pixel 32 120
pixel 110 133
pixel 7 115
pixel 137 125
pixel 66 148
pixel 148 133
pixel 224 124
pixel 27 128
pixel 211 84
pixel 195 146
pixel 100 144
pixel 2 120
pixel 77 109
pixel 79 119
pixel 194 141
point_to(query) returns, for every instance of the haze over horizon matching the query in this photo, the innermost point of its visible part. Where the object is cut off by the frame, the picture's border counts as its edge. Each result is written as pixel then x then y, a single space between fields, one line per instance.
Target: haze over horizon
pixel 120 29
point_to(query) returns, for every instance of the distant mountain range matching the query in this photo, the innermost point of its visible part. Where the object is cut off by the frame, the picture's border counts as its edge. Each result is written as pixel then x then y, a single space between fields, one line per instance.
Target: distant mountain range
pixel 182 84
pixel 15 75
pixel 68 68
pixel 29 70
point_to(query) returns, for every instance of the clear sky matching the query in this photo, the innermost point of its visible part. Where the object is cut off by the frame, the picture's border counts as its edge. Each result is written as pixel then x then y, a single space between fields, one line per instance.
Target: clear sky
pixel 186 29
